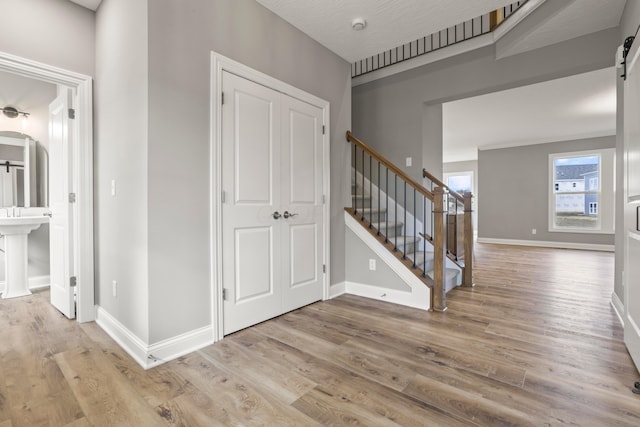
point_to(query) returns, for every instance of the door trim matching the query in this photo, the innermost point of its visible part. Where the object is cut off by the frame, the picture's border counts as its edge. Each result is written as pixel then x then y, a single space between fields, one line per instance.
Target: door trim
pixel 82 169
pixel 220 63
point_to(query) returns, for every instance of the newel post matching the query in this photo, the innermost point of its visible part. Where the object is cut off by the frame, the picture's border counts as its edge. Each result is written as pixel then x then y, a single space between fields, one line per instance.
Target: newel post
pixel 467 279
pixel 439 250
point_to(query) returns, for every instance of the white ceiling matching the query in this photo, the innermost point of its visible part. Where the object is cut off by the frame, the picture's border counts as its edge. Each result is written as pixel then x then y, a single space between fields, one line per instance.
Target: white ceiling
pixel 558 110
pixel 390 23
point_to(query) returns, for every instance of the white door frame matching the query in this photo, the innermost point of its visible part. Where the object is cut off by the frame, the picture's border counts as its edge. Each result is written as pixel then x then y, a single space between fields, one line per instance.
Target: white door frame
pixel 82 168
pixel 220 63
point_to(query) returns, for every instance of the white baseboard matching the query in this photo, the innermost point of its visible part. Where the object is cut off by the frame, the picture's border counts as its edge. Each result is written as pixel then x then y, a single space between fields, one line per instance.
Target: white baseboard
pixel 35 283
pixel 618 307
pixel 39 282
pixel 156 354
pixel 417 298
pixel 337 289
pixel 547 244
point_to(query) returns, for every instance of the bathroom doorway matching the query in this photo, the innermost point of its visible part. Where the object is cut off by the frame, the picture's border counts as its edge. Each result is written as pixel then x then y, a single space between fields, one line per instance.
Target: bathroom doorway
pixel 79 163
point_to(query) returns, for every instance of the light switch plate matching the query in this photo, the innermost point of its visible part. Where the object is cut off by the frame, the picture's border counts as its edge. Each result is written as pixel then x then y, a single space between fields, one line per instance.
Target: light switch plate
pixel 409 161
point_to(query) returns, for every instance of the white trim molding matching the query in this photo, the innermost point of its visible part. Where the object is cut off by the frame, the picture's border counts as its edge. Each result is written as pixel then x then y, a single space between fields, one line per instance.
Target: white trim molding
pixel 407 298
pixel 618 307
pixel 547 244
pixel 337 289
pixel 149 356
pixel 35 282
pixel 418 297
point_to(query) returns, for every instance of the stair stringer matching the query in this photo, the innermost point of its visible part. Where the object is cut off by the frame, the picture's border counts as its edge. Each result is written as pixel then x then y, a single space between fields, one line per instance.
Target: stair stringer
pixel 420 294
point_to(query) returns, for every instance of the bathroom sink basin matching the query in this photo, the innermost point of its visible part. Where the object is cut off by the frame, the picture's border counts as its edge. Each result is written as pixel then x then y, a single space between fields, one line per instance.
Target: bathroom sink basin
pixel 21 224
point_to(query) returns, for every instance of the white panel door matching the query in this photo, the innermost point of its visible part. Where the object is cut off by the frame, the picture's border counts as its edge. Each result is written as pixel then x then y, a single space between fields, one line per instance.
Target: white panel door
pixel 251 238
pixel 272 224
pixel 632 206
pixel 60 242
pixel 301 181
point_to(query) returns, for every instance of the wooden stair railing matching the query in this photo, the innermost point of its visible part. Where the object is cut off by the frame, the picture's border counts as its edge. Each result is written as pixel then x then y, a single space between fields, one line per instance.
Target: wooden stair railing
pixel 461 254
pixel 405 200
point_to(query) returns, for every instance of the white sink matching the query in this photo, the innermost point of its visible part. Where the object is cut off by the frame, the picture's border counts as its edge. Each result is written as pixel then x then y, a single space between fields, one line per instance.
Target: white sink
pixel 15 230
pixel 21 224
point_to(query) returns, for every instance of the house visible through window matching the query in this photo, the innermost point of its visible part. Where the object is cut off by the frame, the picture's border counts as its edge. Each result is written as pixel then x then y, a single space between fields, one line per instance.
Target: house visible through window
pixel 576 194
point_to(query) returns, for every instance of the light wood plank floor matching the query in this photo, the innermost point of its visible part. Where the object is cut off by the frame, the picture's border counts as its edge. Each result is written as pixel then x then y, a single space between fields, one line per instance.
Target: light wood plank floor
pixel 535 343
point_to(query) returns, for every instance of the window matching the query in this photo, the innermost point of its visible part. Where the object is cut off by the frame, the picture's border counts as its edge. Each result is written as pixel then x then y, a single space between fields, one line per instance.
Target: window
pixel 460 182
pixel 581 184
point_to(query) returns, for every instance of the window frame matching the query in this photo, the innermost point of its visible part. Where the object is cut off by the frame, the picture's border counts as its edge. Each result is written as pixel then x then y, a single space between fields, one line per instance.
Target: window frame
pixel 605 192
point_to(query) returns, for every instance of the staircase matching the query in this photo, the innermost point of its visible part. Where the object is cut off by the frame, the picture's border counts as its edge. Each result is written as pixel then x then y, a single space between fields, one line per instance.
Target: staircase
pixel 424 229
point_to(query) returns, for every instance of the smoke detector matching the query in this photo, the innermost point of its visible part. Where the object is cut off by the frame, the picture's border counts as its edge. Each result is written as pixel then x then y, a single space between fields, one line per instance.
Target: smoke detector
pixel 358 24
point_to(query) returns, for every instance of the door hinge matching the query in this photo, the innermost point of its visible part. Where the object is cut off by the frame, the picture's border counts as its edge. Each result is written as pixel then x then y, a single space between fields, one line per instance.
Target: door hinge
pixel 324 199
pixel 324 268
pixel 72 197
pixel 73 281
pixel 72 113
pixel 222 98
pixel 323 129
pixel 223 197
pixel 224 294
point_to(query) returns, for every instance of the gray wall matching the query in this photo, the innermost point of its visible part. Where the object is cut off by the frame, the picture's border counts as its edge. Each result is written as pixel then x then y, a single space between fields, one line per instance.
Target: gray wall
pixel 154 236
pixel 514 184
pixel 55 32
pixel 389 113
pixel 121 154
pixel 628 26
pixel 358 256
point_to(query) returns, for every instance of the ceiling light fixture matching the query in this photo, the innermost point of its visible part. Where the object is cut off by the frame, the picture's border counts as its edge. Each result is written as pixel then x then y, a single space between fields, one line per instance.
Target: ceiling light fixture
pixel 358 24
pixel 12 112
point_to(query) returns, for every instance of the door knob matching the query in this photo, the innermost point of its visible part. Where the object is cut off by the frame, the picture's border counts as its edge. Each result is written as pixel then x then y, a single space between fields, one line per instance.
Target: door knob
pixel 276 215
pixel 289 215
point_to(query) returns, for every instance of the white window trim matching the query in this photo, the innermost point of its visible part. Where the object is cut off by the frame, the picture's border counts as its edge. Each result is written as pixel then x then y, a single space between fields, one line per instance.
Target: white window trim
pixel 606 191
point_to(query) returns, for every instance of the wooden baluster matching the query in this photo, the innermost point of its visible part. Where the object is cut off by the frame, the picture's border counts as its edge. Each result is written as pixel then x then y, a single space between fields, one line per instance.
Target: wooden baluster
pixel 467 278
pixel 439 249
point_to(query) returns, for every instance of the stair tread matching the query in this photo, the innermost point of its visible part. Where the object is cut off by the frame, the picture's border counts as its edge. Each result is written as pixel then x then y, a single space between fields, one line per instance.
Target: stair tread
pixel 420 256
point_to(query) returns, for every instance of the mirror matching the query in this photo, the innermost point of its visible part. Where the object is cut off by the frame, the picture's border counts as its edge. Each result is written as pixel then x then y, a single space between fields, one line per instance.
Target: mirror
pixel 23 173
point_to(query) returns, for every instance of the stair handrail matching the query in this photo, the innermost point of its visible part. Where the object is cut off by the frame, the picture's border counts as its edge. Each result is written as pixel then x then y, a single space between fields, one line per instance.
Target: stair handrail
pixel 379 157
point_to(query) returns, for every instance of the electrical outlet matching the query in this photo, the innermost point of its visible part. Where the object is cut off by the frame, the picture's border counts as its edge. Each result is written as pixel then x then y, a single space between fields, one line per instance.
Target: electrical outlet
pixel 534 231
pixel 409 161
pixel 372 264
pixel 114 285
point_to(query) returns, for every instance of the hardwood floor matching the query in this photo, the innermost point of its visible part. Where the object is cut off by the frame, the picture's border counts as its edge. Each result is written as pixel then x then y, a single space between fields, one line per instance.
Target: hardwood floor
pixel 535 343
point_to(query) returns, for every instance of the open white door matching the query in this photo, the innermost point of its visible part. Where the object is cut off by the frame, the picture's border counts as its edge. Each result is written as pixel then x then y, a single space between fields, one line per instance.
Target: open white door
pixel 632 206
pixel 60 241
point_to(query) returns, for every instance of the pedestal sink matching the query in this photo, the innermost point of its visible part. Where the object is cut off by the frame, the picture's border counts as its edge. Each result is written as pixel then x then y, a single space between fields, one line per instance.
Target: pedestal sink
pixel 15 231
